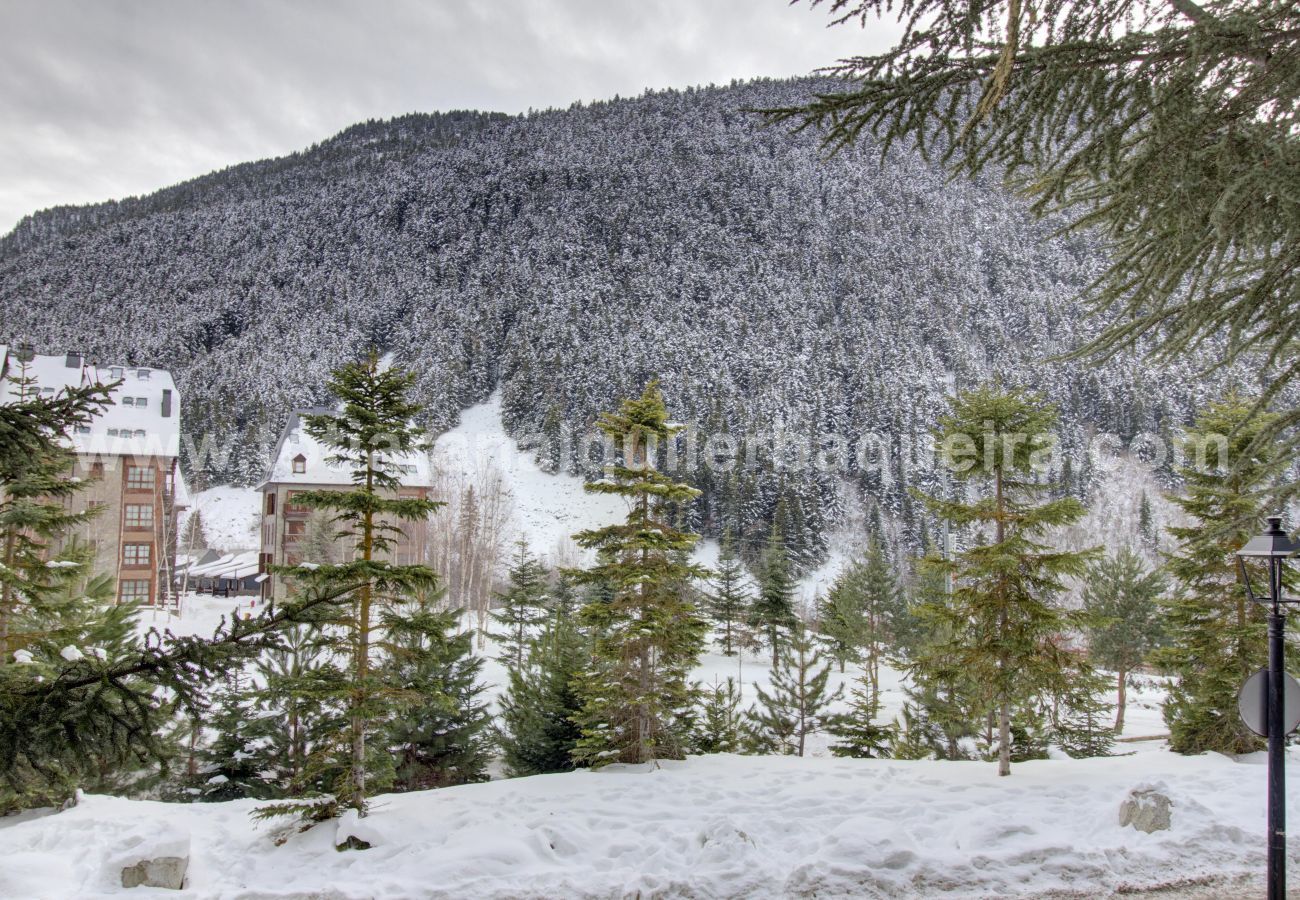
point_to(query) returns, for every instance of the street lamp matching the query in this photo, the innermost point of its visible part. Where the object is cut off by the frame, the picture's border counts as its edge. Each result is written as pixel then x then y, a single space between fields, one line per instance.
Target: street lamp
pixel 1275 546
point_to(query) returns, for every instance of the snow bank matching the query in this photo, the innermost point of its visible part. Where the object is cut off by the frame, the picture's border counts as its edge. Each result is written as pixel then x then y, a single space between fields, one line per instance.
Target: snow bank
pixel 231 517
pixel 717 826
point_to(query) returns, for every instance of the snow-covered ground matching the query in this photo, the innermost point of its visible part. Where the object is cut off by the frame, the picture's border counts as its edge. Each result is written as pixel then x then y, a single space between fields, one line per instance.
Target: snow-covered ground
pixel 716 826
pixel 230 517
pixel 548 508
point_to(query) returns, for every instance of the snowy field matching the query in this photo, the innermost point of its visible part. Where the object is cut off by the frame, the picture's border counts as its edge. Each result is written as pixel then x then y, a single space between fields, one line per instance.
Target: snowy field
pixel 715 827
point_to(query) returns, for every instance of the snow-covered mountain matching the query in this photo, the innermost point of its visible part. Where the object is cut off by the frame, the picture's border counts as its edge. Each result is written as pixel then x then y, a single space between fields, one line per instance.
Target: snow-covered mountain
pixel 565 257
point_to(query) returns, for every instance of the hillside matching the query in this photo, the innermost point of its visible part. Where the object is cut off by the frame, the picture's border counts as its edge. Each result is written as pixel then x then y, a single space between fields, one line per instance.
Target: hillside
pixel 565 257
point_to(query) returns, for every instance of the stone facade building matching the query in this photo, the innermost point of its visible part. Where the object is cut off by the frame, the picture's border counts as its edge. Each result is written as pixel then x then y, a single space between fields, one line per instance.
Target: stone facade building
pixel 293 533
pixel 128 458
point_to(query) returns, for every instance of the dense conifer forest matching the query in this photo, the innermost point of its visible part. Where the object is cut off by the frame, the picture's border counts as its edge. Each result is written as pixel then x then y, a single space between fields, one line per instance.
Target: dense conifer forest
pixel 568 256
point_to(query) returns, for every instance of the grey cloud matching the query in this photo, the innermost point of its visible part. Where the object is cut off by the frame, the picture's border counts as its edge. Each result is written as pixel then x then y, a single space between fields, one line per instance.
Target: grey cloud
pixel 108 99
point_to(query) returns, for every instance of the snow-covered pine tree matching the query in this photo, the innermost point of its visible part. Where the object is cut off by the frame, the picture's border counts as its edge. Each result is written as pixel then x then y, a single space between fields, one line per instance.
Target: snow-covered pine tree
pixel 1125 623
pixel 1002 625
pixel 520 608
pixel 234 764
pixel 720 724
pixel 1147 529
pixel 541 705
pixel 299 691
pixel 440 737
pixel 858 732
pixel 799 701
pixel 647 634
pixel 1217 638
pixel 370 433
pixel 728 601
pixel 773 611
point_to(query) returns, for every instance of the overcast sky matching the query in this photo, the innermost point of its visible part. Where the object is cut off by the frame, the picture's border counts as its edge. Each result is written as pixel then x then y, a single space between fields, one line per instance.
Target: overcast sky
pixel 107 98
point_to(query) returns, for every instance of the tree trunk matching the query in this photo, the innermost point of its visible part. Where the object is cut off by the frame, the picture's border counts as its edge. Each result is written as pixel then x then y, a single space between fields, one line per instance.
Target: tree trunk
pixel 360 694
pixel 1004 738
pixel 1121 699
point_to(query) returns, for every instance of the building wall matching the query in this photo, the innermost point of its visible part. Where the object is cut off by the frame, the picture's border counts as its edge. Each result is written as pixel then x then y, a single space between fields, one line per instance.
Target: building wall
pixel 286 525
pixel 133 533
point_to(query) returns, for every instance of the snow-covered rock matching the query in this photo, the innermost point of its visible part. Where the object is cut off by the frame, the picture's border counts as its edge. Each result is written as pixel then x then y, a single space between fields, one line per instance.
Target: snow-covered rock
pixel 1146 809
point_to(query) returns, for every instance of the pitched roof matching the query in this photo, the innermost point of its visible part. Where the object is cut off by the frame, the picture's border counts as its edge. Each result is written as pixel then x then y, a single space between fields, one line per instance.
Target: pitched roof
pixel 295 441
pixel 133 426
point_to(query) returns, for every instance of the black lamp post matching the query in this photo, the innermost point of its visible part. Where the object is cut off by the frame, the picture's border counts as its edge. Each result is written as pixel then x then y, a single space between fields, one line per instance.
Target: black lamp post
pixel 1274 546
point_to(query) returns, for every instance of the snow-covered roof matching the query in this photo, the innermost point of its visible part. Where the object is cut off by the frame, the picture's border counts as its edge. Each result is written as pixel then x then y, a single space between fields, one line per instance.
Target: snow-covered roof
pixel 139 423
pixel 296 443
pixel 230 565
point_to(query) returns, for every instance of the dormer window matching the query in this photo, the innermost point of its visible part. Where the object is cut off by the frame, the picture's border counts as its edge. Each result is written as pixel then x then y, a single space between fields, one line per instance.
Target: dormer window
pixel 299 464
pixel 143 374
pixel 128 401
pixel 117 373
pixel 141 402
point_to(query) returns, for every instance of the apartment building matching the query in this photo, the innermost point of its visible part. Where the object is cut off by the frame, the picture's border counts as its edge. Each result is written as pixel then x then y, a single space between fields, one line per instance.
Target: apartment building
pixel 301 463
pixel 128 458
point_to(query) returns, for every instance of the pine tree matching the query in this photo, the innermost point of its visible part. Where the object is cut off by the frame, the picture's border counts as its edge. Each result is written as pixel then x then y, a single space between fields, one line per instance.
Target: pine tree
pixel 1082 726
pixel 1147 524
pixel 728 603
pixel 1125 623
pixel 301 693
pixel 440 737
pixel 541 706
pixel 521 608
pixel 234 765
pixel 1217 638
pixel 858 732
pixel 720 722
pixel 798 704
pixel 841 620
pixel 773 612
pixel 911 740
pixel 1003 628
pixel 370 434
pixel 647 635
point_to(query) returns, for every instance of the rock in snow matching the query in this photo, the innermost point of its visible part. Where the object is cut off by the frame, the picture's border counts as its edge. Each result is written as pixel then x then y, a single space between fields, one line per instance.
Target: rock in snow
pixel 1146 809
pixel 150 855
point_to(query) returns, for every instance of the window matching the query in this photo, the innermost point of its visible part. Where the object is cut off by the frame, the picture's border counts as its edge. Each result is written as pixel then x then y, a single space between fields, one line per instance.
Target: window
pixel 83 429
pixel 139 478
pixel 139 432
pixel 97 471
pixel 112 432
pixel 143 374
pixel 141 402
pixel 295 528
pixel 139 515
pixel 47 391
pixel 270 504
pixel 128 401
pixel 116 373
pixel 136 554
pixel 293 506
pixel 299 464
pixel 134 590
